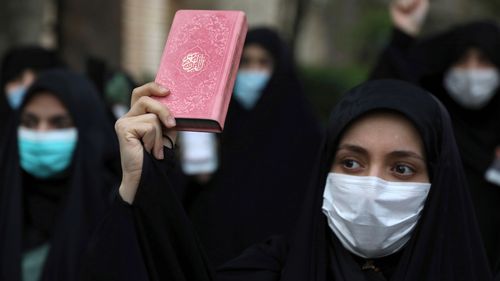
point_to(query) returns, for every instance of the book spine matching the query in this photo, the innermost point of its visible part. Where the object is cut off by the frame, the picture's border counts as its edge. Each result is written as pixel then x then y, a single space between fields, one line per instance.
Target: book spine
pixel 232 63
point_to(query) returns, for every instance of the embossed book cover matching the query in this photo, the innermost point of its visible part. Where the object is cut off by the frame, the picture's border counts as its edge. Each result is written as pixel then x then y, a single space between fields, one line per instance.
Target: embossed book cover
pixel 199 65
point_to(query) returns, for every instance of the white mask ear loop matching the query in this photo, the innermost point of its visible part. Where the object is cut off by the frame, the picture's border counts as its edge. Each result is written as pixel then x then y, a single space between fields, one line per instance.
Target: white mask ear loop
pixel 372 217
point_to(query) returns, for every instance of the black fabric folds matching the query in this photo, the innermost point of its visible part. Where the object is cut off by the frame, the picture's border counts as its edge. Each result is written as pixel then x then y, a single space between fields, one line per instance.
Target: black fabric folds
pixel 446 243
pixel 444 246
pixel 265 156
pixel 19 59
pixel 69 214
pixel 153 239
pixel 477 131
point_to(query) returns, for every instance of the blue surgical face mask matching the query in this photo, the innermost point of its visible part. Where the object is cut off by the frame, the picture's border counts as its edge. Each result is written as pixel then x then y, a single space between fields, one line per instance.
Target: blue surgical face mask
pixel 46 154
pixel 16 96
pixel 249 87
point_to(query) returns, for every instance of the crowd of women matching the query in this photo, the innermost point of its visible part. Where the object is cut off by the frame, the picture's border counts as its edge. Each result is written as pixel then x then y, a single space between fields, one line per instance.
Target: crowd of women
pixel 399 185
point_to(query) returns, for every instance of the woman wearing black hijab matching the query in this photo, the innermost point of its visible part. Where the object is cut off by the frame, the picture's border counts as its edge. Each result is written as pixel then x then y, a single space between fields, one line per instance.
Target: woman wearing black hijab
pixel 265 152
pixel 19 67
pixel 462 68
pixel 430 227
pixel 56 176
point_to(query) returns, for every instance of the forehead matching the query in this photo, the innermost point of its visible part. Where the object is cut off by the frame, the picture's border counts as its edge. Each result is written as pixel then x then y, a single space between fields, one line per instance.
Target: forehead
pixel 473 52
pixel 45 104
pixel 383 130
pixel 256 50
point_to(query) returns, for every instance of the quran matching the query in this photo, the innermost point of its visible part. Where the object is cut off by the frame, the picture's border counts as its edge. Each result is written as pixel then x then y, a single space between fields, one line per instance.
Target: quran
pixel 199 65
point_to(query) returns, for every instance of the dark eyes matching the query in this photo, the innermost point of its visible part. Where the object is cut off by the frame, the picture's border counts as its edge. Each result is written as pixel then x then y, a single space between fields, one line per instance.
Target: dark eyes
pixel 58 122
pixel 29 122
pixel 351 164
pixel 61 122
pixel 403 170
pixel 398 169
pixel 244 61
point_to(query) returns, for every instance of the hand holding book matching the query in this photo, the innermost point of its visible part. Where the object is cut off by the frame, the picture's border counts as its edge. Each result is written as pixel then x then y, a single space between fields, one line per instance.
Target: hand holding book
pixel 148 125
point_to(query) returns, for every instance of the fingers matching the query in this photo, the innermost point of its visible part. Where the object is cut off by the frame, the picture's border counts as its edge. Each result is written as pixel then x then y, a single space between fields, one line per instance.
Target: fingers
pixel 169 138
pixel 408 6
pixel 146 104
pixel 147 90
pixel 153 138
pixel 148 120
pixel 146 128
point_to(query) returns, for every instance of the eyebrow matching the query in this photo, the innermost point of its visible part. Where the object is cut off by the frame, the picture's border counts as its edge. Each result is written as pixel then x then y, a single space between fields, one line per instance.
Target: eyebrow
pixel 396 153
pixel 352 148
pixel 406 153
pixel 28 114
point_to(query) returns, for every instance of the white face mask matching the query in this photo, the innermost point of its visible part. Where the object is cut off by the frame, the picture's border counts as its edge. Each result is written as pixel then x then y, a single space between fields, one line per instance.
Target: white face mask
pixel 372 217
pixel 472 88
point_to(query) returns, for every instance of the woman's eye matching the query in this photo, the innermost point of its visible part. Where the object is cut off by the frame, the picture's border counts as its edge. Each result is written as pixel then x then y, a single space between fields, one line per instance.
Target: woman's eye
pixel 403 170
pixel 351 164
pixel 61 122
pixel 28 122
pixel 244 61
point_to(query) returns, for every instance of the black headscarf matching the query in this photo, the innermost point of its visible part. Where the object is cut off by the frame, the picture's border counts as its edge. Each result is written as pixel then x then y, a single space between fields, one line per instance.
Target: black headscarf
pixel 67 208
pixel 477 131
pixel 445 244
pixel 19 59
pixel 264 162
pixel 14 62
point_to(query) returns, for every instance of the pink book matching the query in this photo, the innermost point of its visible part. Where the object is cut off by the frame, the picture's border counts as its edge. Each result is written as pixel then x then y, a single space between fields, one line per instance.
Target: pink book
pixel 199 66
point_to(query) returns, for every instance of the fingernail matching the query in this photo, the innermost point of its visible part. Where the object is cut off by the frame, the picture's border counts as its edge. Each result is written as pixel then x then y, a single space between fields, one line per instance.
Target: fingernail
pixel 171 121
pixel 163 90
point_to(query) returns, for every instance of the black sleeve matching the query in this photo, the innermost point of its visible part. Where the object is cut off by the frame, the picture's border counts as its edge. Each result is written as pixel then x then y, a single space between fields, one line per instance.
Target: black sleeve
pixel 261 262
pixel 153 239
pixel 399 60
pixel 113 252
pixel 170 248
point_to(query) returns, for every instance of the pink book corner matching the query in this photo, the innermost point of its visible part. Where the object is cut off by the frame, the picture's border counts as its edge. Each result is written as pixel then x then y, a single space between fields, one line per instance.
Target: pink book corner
pixel 199 65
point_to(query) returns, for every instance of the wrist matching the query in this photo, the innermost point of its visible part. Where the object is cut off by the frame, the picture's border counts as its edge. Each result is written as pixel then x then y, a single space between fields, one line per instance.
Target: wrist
pixel 128 187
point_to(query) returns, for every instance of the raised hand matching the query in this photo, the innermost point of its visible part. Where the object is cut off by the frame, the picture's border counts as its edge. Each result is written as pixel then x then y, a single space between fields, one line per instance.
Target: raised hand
pixel 409 15
pixel 143 127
